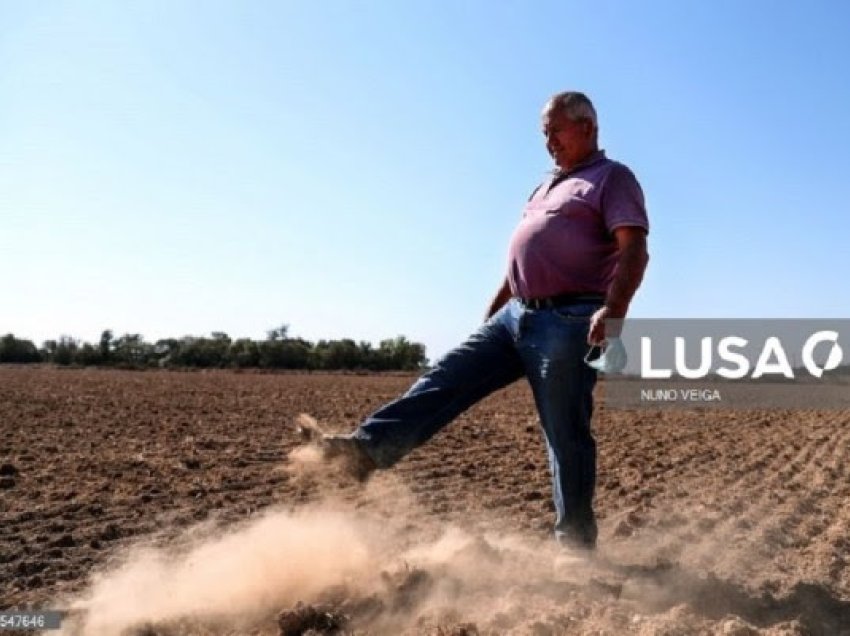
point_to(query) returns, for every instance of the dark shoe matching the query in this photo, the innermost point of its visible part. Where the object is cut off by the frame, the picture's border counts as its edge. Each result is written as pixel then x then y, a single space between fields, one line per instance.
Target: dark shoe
pixel 342 450
pixel 579 539
pixel 347 452
pixel 578 545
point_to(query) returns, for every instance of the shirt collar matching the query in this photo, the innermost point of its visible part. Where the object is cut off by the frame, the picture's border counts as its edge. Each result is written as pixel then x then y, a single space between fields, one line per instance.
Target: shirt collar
pixel 592 158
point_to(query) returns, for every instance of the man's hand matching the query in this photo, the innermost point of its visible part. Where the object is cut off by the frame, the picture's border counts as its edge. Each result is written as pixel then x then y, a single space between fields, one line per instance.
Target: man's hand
pixel 631 244
pixel 597 331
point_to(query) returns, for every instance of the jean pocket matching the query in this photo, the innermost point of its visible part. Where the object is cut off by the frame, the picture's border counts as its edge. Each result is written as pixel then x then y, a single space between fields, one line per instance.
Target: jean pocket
pixel 576 313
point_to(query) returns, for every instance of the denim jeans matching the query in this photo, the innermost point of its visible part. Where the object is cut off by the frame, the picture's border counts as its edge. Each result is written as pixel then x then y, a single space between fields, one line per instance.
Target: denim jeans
pixel 545 345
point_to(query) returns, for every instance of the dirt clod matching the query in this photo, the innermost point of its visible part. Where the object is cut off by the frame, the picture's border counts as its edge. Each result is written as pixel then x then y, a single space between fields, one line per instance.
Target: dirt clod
pixel 302 619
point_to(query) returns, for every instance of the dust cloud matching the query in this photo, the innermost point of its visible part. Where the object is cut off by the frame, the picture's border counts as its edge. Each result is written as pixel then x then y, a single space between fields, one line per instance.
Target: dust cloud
pixel 380 564
pixel 272 562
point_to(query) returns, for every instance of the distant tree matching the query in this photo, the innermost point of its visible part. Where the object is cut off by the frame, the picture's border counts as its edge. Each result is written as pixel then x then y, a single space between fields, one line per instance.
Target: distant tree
pixel 342 354
pixel 217 349
pixel 243 353
pixel 293 353
pixel 202 352
pixel 318 355
pixel 105 345
pixel 367 356
pixel 48 350
pixel 66 350
pixel 18 351
pixel 163 349
pixel 278 351
pixel 132 350
pixel 88 355
pixel 400 353
pixel 278 333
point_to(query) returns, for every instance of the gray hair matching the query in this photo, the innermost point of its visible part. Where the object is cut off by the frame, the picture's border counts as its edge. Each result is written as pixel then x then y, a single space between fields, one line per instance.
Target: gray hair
pixel 574 105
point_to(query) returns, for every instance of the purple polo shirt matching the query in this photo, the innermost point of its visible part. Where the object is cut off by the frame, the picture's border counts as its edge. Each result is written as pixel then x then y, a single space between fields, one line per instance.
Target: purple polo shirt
pixel 564 242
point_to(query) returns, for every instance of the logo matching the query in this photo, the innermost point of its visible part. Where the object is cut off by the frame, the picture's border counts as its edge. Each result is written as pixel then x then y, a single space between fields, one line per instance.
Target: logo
pixel 735 364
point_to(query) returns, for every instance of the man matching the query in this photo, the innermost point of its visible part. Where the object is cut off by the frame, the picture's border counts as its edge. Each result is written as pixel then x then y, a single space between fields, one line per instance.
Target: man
pixel 574 263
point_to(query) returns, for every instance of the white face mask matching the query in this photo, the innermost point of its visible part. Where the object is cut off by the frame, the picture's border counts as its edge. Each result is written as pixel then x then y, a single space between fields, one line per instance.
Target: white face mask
pixel 613 357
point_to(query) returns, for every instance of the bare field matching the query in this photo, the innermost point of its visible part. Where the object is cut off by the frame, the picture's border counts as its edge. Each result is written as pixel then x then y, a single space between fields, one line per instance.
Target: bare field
pixel 163 503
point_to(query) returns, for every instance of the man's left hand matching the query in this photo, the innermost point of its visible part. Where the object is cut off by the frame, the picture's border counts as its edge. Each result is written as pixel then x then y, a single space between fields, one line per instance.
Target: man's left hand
pixel 598 331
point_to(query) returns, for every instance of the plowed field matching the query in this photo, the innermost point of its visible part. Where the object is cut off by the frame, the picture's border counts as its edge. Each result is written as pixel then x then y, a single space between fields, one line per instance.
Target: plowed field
pixel 168 503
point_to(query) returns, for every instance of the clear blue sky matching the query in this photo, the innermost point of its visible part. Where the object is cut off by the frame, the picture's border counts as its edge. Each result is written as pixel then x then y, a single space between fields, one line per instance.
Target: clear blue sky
pixel 355 169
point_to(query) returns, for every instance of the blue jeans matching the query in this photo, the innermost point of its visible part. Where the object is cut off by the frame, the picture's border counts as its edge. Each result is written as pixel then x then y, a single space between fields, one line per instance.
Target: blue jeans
pixel 545 345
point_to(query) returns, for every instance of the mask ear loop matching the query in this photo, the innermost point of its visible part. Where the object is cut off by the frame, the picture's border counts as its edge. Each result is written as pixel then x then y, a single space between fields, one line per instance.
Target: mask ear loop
pixel 589 351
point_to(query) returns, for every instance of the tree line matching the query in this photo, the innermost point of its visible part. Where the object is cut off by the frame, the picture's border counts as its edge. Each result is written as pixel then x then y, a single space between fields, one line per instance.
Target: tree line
pixel 277 351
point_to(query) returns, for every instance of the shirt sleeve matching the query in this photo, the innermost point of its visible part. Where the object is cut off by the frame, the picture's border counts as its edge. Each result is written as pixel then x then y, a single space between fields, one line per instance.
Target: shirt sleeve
pixel 622 200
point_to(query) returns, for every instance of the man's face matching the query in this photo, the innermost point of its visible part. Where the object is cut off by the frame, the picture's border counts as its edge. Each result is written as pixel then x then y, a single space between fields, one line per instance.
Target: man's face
pixel 567 141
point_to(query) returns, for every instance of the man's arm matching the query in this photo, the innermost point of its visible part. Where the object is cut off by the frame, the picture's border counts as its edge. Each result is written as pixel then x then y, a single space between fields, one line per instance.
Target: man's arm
pixel 502 296
pixel 631 244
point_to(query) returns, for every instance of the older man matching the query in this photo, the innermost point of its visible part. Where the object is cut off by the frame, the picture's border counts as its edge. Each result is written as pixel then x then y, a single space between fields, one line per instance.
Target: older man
pixel 574 263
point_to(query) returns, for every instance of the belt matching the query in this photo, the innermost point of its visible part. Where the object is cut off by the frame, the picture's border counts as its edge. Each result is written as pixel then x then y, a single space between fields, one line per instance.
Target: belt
pixel 560 300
